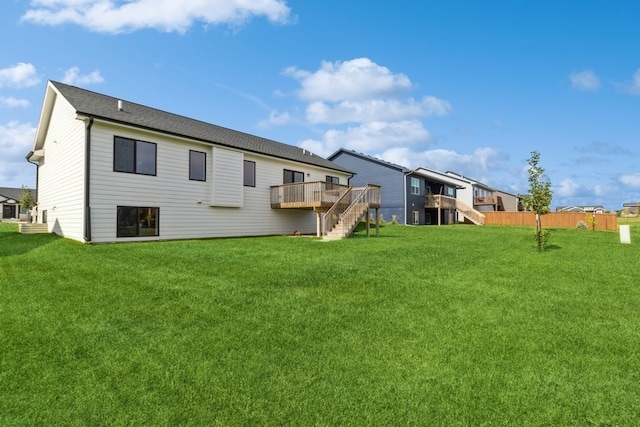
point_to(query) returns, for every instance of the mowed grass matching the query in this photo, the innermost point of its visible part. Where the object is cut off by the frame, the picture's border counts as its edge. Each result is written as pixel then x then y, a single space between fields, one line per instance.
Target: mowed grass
pixel 452 325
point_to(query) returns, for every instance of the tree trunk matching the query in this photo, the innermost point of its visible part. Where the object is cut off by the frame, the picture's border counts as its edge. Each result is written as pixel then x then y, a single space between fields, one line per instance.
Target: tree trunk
pixel 539 232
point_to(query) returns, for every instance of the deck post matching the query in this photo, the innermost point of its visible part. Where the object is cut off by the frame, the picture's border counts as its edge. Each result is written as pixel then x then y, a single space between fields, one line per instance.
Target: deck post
pixel 318 224
pixel 377 221
pixel 368 219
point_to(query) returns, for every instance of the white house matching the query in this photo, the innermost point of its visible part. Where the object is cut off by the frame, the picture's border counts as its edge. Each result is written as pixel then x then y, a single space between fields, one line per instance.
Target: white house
pixel 112 170
pixel 10 203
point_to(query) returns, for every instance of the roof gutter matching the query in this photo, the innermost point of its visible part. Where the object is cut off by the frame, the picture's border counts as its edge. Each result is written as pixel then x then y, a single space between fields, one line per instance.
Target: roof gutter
pixel 87 182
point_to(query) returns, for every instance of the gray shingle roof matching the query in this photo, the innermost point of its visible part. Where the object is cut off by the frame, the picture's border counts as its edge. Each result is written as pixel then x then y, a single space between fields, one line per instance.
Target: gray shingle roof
pixel 106 107
pixel 12 193
pixel 370 158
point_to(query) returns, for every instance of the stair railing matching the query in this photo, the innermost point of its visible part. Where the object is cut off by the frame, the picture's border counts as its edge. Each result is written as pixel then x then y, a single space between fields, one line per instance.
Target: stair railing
pixel 332 216
pixel 362 198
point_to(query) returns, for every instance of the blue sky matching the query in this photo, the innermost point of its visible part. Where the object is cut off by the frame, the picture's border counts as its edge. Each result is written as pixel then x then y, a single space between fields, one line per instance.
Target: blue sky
pixel 467 86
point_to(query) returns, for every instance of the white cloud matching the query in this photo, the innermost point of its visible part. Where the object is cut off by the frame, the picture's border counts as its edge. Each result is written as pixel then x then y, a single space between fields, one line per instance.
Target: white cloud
pixel 567 188
pixel 352 80
pixel 109 16
pixel 634 86
pixel 276 119
pixel 476 164
pixel 369 137
pixel 20 75
pixel 585 80
pixel 632 180
pixel 72 77
pixel 375 110
pixel 12 102
pixel 16 140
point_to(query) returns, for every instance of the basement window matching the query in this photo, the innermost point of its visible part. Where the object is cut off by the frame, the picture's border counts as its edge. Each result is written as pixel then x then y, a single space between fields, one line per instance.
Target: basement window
pixel 138 221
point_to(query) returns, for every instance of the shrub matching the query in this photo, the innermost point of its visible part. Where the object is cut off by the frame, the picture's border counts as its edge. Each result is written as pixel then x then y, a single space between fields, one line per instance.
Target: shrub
pixel 581 225
pixel 541 237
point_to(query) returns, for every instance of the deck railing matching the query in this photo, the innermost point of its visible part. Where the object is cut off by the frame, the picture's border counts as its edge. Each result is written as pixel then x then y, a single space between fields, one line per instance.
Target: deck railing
pixel 306 195
pixel 349 209
pixel 446 202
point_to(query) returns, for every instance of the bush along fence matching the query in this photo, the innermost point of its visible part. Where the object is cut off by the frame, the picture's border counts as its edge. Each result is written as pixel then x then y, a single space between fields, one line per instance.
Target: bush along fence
pixel 607 221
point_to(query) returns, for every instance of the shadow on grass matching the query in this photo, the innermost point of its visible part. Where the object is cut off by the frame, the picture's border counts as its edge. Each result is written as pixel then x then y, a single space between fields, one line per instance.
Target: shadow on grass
pixel 13 243
pixel 552 248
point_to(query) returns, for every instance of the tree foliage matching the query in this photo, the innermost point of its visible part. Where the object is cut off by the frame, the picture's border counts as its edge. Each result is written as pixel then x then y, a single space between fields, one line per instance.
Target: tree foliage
pixel 26 199
pixel 538 200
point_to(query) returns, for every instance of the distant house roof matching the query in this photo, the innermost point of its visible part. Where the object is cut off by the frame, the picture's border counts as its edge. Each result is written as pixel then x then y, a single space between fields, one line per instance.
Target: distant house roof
pixel 451 180
pixel 586 209
pixel 104 107
pixel 470 180
pixel 11 193
pixel 370 159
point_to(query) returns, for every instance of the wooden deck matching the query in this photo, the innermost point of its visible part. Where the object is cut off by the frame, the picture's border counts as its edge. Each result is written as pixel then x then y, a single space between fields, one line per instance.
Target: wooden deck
pixel 317 195
pixel 338 208
pixel 445 202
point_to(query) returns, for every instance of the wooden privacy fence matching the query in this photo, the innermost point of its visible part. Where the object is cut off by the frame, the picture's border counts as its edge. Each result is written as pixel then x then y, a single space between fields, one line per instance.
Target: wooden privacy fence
pixel 607 221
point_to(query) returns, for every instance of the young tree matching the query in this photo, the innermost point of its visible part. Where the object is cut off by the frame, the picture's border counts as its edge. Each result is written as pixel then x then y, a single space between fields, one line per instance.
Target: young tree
pixel 539 198
pixel 26 199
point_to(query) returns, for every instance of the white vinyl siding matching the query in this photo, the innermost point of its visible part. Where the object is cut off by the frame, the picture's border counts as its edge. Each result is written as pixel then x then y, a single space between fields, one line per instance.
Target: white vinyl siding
pixel 61 173
pixel 185 205
pixel 228 178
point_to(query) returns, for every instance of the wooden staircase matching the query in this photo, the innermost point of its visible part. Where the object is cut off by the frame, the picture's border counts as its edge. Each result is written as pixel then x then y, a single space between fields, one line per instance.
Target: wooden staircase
pixel 32 228
pixel 469 212
pixel 446 202
pixel 343 217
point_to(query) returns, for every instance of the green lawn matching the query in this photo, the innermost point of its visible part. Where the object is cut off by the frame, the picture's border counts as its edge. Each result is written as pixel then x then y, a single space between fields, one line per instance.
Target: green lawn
pixel 453 325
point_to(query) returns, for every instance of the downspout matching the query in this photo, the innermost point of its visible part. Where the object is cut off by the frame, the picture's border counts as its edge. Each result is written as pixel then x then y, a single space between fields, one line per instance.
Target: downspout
pixel 405 208
pixel 87 182
pixel 37 173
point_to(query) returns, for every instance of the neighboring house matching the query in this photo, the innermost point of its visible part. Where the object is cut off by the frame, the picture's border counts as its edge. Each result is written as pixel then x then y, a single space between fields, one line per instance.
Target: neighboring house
pixel 630 209
pixel 484 198
pixel 582 209
pixel 370 170
pixel 406 193
pixel 112 170
pixel 10 203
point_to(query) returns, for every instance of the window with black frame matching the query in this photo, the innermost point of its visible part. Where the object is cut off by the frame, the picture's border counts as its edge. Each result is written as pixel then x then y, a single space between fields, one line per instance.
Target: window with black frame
pixel 132 156
pixel 291 176
pixel 197 165
pixel 249 173
pixel 138 221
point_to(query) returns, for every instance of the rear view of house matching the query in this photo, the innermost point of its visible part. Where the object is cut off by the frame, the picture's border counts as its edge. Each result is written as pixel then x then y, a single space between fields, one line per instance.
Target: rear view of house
pixel 112 170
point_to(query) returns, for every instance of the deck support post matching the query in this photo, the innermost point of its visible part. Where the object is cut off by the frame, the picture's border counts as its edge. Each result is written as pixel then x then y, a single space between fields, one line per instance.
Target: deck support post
pixel 318 223
pixel 368 221
pixel 377 221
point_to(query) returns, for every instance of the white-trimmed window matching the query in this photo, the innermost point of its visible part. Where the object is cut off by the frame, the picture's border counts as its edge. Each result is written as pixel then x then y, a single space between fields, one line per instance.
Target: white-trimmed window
pixel 415 186
pixel 451 191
